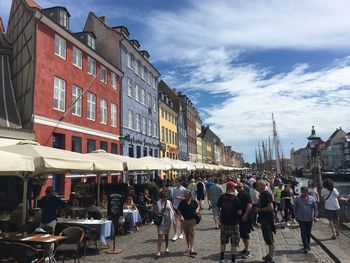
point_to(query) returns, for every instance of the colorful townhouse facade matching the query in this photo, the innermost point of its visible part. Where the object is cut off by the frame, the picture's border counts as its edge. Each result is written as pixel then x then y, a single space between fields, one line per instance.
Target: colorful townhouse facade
pixel 66 92
pixel 139 92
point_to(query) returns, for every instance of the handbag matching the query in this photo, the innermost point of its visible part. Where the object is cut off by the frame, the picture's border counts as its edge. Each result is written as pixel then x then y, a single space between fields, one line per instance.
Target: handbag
pixel 158 219
pixel 198 218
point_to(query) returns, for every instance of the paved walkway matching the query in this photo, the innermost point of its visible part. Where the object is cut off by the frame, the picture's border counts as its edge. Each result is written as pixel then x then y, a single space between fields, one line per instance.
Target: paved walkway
pixel 141 246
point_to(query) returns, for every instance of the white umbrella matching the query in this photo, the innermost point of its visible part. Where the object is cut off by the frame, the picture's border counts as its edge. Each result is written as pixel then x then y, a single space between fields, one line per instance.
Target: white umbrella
pixel 156 163
pixel 15 164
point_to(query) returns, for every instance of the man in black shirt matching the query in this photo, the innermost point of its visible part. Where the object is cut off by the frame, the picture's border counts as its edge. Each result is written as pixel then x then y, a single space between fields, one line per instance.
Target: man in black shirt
pixel 245 224
pixel 231 210
pixel 265 213
pixel 187 210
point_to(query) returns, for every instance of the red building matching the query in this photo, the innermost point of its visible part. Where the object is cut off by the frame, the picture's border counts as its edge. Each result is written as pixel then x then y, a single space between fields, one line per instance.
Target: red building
pixel 66 92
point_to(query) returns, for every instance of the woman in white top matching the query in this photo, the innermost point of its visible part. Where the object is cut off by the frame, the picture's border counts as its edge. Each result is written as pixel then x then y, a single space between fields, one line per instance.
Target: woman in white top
pixel 164 208
pixel 331 205
pixel 312 189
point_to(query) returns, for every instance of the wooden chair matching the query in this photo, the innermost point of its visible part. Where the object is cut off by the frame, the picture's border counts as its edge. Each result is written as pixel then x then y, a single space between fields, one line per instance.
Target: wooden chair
pixel 20 252
pixel 71 246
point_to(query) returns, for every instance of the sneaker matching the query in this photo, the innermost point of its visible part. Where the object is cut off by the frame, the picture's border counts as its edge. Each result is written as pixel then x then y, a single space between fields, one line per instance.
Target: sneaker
pixel 175 238
pixel 268 259
pixel 288 224
pixel 181 236
pixel 245 254
pixel 167 251
pixel 305 251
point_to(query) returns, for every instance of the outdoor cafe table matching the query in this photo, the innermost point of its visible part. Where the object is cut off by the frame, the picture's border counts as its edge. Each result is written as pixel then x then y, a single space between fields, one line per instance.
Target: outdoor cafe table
pixel 104 227
pixel 132 217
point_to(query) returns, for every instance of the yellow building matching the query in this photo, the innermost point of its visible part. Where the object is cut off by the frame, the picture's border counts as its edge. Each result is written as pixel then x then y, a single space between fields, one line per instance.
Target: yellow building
pixel 168 119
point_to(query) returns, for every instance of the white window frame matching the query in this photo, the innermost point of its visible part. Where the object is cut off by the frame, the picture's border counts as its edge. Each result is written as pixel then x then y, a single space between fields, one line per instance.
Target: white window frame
pixel 137 92
pixel 114 80
pixel 130 119
pixel 154 104
pixel 137 67
pixel 91 106
pixel 91 66
pixel 103 74
pixel 144 124
pixel 77 57
pixel 60 47
pixel 143 96
pixel 129 88
pixel 129 60
pixel 59 94
pixel 63 18
pixel 149 100
pixel 149 128
pixel 143 73
pixel 155 129
pixel 114 115
pixel 138 122
pixel 91 41
pixel 103 111
pixel 77 98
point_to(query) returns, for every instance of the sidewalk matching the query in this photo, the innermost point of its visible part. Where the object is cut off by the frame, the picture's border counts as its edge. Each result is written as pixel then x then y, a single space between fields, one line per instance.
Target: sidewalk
pixel 141 246
pixel 338 249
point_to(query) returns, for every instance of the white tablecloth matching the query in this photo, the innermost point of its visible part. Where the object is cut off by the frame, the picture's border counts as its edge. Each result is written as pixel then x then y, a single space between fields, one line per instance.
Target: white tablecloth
pixel 104 227
pixel 132 217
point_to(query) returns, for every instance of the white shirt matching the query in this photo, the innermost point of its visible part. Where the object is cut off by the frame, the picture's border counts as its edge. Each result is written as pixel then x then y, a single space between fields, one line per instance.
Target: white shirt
pixel 178 191
pixel 332 202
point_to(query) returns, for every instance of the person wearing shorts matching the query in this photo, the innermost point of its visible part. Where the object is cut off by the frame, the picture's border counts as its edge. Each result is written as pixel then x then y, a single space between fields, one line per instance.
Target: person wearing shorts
pixel 214 193
pixel 230 212
pixel 187 210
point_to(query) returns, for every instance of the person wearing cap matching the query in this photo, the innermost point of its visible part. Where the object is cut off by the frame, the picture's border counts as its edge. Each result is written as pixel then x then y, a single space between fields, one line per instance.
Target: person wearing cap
pixel 49 205
pixel 231 210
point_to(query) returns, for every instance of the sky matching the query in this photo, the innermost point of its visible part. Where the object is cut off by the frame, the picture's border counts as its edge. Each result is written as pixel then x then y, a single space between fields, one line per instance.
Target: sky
pixel 240 61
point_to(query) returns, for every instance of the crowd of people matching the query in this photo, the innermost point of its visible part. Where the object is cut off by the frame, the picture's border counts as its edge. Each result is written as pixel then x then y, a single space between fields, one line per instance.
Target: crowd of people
pixel 240 203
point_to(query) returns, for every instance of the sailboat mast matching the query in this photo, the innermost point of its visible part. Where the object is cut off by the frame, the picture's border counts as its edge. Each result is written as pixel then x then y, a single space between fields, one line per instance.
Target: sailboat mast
pixel 276 145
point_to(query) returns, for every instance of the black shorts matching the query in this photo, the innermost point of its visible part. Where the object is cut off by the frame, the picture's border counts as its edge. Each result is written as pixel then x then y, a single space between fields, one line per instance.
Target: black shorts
pixel 267 232
pixel 245 229
pixel 200 196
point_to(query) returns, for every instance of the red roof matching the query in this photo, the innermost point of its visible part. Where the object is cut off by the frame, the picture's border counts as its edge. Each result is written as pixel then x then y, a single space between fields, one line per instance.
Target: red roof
pixel 31 3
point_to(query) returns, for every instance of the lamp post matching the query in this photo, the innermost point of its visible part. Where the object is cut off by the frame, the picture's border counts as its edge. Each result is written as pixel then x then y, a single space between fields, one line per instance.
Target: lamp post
pixel 314 142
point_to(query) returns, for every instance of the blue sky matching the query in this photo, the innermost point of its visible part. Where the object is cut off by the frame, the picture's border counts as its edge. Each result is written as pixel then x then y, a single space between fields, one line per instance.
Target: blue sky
pixel 239 61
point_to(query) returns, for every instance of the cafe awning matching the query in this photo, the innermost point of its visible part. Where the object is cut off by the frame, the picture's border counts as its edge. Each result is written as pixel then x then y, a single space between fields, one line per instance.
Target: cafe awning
pixel 15 164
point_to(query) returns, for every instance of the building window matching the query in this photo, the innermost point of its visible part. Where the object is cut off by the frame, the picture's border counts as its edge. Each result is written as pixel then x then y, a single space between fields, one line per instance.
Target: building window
pixel 113 115
pixel 149 100
pixel 145 151
pixel 166 135
pixel 137 67
pixel 163 135
pixel 77 57
pixel 63 19
pixel 103 111
pixel 155 129
pixel 149 128
pixel 129 60
pixel 59 97
pixel 114 148
pixel 150 152
pixel 155 153
pixel 154 104
pixel 76 144
pixel 129 87
pixel 143 96
pixel 130 119
pixel 137 92
pixel 162 111
pixel 60 46
pixel 91 66
pixel 144 128
pixel 103 74
pixel 173 137
pixel 114 80
pixel 138 122
pixel 91 106
pixel 91 41
pixel 138 151
pixel 91 145
pixel 131 150
pixel 76 100
pixel 104 146
pixel 143 73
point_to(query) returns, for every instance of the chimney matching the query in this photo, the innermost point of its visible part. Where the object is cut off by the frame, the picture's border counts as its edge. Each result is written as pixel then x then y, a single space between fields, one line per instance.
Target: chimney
pixel 104 20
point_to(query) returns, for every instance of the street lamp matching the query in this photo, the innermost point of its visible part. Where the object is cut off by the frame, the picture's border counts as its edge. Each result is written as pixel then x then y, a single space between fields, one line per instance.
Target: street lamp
pixel 314 142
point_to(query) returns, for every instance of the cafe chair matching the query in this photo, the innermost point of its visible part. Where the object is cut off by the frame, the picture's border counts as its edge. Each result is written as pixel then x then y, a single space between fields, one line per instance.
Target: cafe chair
pixel 71 245
pixel 5 254
pixel 122 225
pixel 91 236
pixel 59 228
pixel 20 252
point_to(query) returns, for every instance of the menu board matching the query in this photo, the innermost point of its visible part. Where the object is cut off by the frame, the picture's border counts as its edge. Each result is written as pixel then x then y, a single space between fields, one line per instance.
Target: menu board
pixel 115 205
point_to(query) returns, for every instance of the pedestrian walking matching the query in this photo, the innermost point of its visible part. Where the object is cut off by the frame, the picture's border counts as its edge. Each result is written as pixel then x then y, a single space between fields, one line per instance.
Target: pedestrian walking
pixel 230 212
pixel 164 208
pixel 178 196
pixel 305 209
pixel 330 196
pixel 215 191
pixel 187 211
pixel 254 196
pixel 313 190
pixel 287 198
pixel 277 196
pixel 245 224
pixel 265 218
pixel 200 190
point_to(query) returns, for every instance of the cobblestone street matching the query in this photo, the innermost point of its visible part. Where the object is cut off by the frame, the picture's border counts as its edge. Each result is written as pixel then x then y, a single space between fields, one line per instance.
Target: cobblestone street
pixel 141 246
